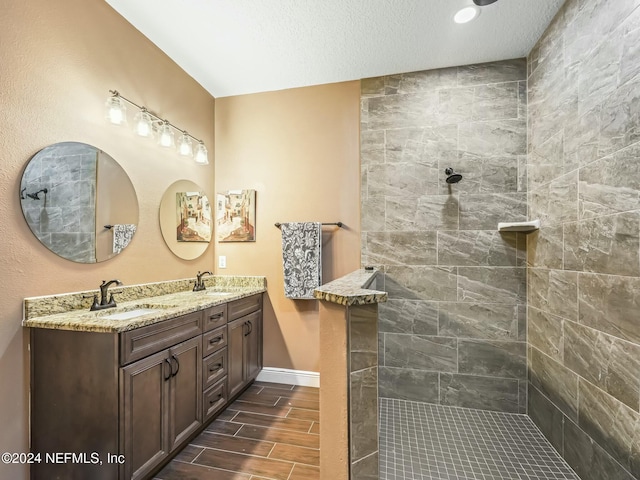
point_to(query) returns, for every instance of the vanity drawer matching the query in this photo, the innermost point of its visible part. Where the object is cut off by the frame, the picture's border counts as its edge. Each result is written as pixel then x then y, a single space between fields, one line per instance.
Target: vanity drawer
pixel 214 399
pixel 214 367
pixel 214 317
pixel 244 306
pixel 144 341
pixel 214 340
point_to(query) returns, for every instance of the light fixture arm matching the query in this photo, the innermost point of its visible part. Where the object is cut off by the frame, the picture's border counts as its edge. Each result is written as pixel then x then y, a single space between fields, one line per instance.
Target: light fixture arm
pixel 117 94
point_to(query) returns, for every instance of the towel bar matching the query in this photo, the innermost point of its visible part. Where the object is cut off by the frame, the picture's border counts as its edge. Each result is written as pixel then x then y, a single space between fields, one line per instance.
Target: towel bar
pixel 339 224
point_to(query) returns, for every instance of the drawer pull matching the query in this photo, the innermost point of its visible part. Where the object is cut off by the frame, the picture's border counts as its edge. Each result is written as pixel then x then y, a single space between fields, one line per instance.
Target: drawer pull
pixel 214 400
pixel 215 368
pixel 167 377
pixel 217 339
pixel 216 316
pixel 173 374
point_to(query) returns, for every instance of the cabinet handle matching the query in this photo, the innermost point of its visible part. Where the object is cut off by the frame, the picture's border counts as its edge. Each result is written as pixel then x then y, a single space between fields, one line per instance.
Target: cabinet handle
pixel 211 402
pixel 173 374
pixel 216 316
pixel 217 339
pixel 215 368
pixel 170 369
pixel 246 324
pixel 250 326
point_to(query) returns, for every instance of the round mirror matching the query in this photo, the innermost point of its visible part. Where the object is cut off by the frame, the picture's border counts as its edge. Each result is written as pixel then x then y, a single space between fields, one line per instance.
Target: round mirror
pixel 185 219
pixel 79 202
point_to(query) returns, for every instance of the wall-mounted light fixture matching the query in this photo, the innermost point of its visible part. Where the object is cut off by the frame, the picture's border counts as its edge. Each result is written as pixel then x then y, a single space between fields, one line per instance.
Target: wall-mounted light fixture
pixel 470 12
pixel 146 124
pixel 466 14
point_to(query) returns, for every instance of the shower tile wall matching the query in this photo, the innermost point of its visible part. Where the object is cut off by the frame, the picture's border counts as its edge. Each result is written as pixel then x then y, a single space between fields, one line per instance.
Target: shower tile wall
pixel 453 331
pixel 584 285
pixel 65 216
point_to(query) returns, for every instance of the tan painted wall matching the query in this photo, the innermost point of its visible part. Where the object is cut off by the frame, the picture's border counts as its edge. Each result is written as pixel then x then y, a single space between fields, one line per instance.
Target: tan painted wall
pixel 57 64
pixel 299 149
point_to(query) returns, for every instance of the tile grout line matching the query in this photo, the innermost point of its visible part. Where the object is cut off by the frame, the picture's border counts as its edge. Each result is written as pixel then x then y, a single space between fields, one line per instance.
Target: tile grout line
pixel 244 454
pixel 272 449
pixel 293 465
pixel 238 431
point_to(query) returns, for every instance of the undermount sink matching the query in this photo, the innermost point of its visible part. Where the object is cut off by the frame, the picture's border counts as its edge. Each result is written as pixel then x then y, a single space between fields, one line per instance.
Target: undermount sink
pixel 132 311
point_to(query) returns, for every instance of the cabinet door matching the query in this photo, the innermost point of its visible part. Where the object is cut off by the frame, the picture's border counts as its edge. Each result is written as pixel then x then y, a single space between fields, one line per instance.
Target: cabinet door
pixel 185 390
pixel 252 351
pixel 236 332
pixel 145 398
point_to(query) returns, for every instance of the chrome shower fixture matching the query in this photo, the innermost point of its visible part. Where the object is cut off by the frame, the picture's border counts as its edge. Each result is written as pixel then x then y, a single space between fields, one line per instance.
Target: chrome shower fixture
pixel 483 3
pixel 452 177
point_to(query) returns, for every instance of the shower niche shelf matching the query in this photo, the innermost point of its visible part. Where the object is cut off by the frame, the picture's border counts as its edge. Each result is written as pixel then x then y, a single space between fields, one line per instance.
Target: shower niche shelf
pixel 525 227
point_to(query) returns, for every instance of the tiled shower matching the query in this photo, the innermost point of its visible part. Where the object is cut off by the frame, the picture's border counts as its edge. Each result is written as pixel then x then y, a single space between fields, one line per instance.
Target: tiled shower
pixel 64 216
pixel 543 324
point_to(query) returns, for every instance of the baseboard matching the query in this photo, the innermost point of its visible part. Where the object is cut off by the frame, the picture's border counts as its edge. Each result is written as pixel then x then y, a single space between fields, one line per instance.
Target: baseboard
pixel 290 377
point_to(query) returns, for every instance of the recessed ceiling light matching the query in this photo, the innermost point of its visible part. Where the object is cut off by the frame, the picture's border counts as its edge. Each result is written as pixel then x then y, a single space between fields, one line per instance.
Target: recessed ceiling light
pixel 466 14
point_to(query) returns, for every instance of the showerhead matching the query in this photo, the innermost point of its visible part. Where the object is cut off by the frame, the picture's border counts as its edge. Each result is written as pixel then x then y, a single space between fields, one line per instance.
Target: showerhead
pixel 482 3
pixel 452 177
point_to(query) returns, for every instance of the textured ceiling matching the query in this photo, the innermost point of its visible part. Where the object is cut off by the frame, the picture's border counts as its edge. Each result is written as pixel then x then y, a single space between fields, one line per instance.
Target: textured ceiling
pixel 233 47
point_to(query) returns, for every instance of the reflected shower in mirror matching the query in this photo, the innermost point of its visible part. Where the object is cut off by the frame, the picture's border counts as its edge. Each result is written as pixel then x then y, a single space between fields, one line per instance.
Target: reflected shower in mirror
pixel 79 202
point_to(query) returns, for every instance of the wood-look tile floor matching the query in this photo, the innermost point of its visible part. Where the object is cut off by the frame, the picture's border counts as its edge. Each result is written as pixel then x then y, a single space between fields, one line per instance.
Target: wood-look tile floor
pixel 271 432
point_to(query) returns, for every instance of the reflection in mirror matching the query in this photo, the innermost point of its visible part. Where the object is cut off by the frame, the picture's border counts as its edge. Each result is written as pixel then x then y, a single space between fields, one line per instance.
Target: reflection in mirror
pixel 185 219
pixel 79 202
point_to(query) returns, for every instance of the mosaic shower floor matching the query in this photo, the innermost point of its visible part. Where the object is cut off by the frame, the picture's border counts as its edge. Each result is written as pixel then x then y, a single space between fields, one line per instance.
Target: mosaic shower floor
pixel 421 441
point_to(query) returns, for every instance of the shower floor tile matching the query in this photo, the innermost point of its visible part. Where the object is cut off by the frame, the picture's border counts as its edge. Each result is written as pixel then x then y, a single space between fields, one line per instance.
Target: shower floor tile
pixel 421 441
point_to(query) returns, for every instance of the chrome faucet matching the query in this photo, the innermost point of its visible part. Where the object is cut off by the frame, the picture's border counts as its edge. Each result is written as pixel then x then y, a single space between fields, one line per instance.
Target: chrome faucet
pixel 199 285
pixel 104 286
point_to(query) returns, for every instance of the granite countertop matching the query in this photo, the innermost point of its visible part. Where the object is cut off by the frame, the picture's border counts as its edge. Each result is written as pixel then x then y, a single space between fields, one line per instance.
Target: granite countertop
pixel 352 289
pixel 71 311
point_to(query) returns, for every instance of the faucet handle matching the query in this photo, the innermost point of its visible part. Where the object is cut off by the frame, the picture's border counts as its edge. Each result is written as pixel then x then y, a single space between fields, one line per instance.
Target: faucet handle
pixel 95 304
pixel 112 301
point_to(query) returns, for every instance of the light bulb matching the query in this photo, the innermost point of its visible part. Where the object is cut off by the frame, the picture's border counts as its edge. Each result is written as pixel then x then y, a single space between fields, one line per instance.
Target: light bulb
pixel 166 135
pixel 201 154
pixel 116 112
pixel 143 123
pixel 185 145
pixel 466 14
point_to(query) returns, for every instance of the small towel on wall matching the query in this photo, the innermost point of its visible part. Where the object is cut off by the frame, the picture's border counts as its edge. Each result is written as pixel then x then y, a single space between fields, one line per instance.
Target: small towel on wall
pixel 122 235
pixel 301 258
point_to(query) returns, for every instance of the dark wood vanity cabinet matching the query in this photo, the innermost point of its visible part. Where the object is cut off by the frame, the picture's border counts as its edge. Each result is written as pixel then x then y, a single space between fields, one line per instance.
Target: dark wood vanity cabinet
pixel 161 404
pixel 244 342
pixel 215 361
pixel 132 399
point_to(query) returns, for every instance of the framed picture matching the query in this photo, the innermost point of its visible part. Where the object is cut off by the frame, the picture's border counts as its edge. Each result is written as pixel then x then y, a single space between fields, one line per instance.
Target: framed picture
pixel 236 216
pixel 193 216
